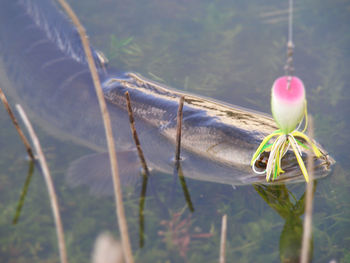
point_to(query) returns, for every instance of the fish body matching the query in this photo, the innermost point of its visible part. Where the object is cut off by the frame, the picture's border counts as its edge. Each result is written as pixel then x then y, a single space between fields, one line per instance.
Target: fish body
pixel 43 67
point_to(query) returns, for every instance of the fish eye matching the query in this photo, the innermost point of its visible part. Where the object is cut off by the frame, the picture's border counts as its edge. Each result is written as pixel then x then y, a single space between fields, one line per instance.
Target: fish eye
pixel 261 163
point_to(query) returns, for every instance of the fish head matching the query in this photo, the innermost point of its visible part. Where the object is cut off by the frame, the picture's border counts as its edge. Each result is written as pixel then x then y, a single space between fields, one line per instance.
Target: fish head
pixel 322 166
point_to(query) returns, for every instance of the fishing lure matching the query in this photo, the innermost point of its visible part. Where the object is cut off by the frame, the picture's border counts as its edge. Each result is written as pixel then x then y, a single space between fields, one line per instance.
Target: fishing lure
pixel 289 108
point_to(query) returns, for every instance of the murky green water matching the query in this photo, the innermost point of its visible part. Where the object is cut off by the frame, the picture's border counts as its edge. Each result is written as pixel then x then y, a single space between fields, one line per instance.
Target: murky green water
pixel 229 50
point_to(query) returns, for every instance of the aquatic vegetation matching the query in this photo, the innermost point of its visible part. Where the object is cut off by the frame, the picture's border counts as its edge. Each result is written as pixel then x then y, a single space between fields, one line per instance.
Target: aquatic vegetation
pixel 177 233
pixel 121 48
pixel 117 46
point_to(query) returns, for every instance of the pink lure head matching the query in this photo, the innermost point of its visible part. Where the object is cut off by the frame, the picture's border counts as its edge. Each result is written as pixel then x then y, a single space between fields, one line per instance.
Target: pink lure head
pixel 288 102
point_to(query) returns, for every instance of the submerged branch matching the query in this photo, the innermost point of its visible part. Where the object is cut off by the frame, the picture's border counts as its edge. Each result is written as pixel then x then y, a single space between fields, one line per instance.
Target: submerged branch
pixel 14 120
pixel 178 171
pixel 141 210
pixel 109 135
pixel 307 228
pixel 49 184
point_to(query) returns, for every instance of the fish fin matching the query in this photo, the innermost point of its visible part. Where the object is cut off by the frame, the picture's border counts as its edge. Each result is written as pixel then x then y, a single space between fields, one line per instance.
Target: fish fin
pixel 94 171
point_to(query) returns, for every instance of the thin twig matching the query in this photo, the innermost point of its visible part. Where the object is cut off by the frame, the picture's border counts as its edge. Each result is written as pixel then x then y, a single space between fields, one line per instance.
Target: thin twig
pixel 14 120
pixel 307 228
pixel 134 134
pixel 223 239
pixel 49 184
pixel 178 130
pixel 109 135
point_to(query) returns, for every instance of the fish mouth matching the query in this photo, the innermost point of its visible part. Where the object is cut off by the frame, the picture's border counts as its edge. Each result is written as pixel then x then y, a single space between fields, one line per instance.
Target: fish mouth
pixel 322 167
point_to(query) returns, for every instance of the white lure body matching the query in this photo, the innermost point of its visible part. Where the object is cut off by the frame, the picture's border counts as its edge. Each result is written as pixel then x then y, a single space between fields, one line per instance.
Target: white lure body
pixel 288 103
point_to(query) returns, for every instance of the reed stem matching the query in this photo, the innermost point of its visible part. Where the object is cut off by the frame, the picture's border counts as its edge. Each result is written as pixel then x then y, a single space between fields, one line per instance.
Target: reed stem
pixel 109 135
pixel 179 128
pixel 49 184
pixel 15 122
pixel 223 239
pixel 24 193
pixel 180 175
pixel 307 228
pixel 141 210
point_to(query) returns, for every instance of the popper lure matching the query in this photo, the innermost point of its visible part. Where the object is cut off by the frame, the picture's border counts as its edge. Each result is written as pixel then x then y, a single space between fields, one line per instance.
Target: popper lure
pixel 289 108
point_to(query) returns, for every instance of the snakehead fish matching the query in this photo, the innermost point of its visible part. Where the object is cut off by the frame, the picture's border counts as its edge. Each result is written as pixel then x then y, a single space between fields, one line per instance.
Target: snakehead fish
pixel 43 66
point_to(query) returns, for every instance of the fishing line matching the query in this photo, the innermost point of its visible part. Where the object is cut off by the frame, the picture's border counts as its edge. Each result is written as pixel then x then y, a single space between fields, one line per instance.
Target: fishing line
pixel 290 46
pixel 290 21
